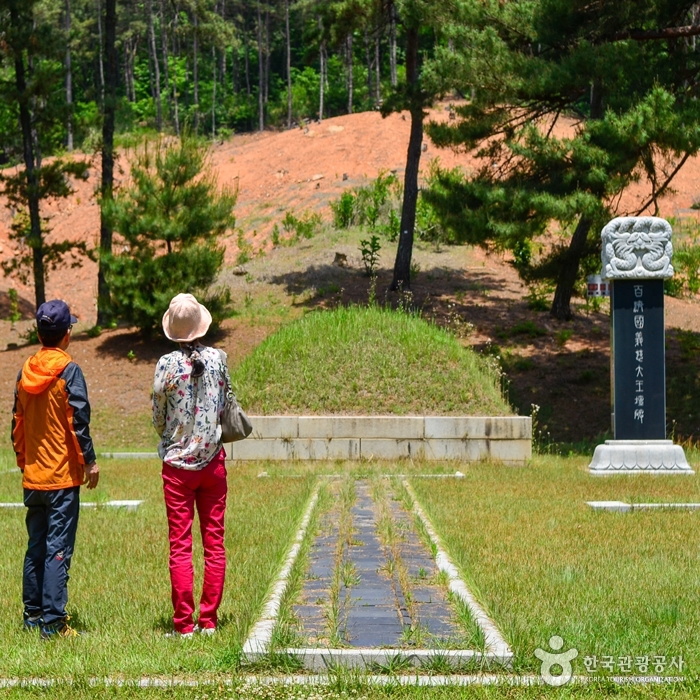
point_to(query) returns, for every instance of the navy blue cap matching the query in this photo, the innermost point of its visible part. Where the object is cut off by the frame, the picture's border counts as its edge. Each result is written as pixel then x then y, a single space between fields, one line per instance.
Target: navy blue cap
pixel 54 315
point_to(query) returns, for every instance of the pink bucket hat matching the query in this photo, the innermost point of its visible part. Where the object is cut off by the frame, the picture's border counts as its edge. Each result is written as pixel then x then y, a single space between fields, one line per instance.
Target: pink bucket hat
pixel 186 319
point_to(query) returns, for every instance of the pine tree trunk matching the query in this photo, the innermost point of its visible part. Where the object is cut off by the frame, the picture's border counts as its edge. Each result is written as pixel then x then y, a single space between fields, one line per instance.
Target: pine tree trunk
pixel 69 81
pixel 195 71
pixel 267 55
pixel 289 65
pixel 392 45
pixel 261 96
pixel 100 54
pixel 176 56
pixel 350 71
pixel 561 305
pixel 107 186
pixel 402 266
pixel 131 52
pixel 235 71
pixel 164 49
pixel 322 83
pixel 368 61
pixel 35 239
pixel 247 61
pixel 156 66
pixel 125 49
pixel 377 68
pixel 222 64
pixel 223 67
pixel 213 93
pixel 568 272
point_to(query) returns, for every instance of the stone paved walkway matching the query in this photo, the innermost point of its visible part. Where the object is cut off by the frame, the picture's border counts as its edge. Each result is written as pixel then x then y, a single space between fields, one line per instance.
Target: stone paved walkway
pixel 386 596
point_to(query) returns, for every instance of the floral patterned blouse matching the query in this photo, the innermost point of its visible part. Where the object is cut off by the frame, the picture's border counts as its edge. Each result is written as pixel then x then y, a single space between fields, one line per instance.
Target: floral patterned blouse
pixel 187 410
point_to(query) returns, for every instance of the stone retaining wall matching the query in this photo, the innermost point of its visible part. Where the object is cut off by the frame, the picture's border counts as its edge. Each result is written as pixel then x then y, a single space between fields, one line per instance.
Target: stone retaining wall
pixel 506 439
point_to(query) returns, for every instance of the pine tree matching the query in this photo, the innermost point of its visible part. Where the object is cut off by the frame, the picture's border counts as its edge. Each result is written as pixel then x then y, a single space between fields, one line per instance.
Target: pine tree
pixel 170 221
pixel 625 72
pixel 31 51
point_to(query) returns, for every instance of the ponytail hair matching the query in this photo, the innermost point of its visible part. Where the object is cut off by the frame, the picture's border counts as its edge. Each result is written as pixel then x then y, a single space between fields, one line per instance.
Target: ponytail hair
pixel 195 358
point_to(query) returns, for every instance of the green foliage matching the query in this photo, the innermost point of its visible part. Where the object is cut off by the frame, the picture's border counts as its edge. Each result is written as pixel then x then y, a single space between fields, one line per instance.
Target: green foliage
pixel 538 297
pixel 563 336
pixel 527 64
pixel 170 220
pixel 30 336
pixel 15 314
pixel 245 249
pixel 391 227
pixel 304 226
pixel 528 328
pixel 686 264
pixel 377 206
pixel 370 254
pixel 343 210
pixel 369 205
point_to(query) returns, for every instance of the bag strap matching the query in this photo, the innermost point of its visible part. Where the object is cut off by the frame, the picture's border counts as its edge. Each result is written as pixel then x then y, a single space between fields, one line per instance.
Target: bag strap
pixel 227 377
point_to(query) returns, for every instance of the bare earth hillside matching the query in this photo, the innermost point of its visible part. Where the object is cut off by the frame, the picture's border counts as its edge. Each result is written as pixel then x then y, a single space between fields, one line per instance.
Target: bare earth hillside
pixel 566 373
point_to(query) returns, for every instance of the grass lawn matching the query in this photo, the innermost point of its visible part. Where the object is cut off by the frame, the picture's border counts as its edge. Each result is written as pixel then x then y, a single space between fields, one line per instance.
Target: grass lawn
pixel 542 562
pixel 351 688
pixel 539 560
pixel 120 588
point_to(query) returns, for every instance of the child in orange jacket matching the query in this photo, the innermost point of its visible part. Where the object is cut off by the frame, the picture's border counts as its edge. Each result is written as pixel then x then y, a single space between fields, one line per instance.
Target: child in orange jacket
pixel 51 438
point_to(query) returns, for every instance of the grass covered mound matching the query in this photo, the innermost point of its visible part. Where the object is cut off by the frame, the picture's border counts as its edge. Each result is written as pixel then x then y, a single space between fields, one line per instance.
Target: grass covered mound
pixel 358 360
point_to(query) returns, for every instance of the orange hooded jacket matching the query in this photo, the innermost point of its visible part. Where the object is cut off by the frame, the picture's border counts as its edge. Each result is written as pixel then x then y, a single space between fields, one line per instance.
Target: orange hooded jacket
pixel 50 422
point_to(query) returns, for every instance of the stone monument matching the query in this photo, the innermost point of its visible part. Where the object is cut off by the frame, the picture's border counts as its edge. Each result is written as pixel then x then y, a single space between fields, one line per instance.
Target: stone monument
pixel 636 256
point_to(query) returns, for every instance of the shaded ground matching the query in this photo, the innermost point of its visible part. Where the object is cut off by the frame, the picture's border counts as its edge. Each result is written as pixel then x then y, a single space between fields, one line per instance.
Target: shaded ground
pixel 561 367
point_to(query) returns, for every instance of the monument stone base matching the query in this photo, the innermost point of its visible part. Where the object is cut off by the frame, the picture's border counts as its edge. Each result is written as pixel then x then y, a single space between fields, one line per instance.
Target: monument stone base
pixel 639 457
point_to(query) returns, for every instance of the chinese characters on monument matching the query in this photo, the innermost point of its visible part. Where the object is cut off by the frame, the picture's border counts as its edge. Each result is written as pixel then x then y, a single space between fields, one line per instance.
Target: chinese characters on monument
pixel 638 369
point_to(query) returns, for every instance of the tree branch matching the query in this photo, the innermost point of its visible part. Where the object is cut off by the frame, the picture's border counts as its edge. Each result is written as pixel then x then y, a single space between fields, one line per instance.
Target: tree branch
pixel 661 190
pixel 667 33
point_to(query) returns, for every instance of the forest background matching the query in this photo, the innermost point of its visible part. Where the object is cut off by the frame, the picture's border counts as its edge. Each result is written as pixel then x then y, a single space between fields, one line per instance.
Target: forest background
pixel 625 73
pixel 565 107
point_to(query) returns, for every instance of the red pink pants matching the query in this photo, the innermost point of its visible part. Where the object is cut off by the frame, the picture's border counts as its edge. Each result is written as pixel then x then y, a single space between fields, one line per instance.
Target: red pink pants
pixel 206 489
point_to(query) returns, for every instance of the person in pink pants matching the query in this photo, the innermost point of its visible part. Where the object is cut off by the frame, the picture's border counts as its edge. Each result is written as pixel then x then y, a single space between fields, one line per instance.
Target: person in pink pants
pixel 189 393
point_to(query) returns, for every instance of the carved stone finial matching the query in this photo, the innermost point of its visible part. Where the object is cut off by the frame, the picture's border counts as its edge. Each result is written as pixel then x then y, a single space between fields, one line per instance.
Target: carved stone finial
pixel 637 247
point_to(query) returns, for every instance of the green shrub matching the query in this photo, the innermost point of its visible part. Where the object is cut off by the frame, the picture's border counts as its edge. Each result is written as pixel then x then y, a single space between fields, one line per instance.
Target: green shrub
pixel 15 314
pixel 370 254
pixel 370 205
pixel 170 220
pixel 245 249
pixel 391 227
pixel 304 226
pixel 275 235
pixel 537 297
pixel 528 328
pixel 343 210
pixel 686 261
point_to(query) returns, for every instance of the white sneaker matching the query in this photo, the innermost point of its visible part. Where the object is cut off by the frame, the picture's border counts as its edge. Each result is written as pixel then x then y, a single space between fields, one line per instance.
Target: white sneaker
pixel 206 631
pixel 179 635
